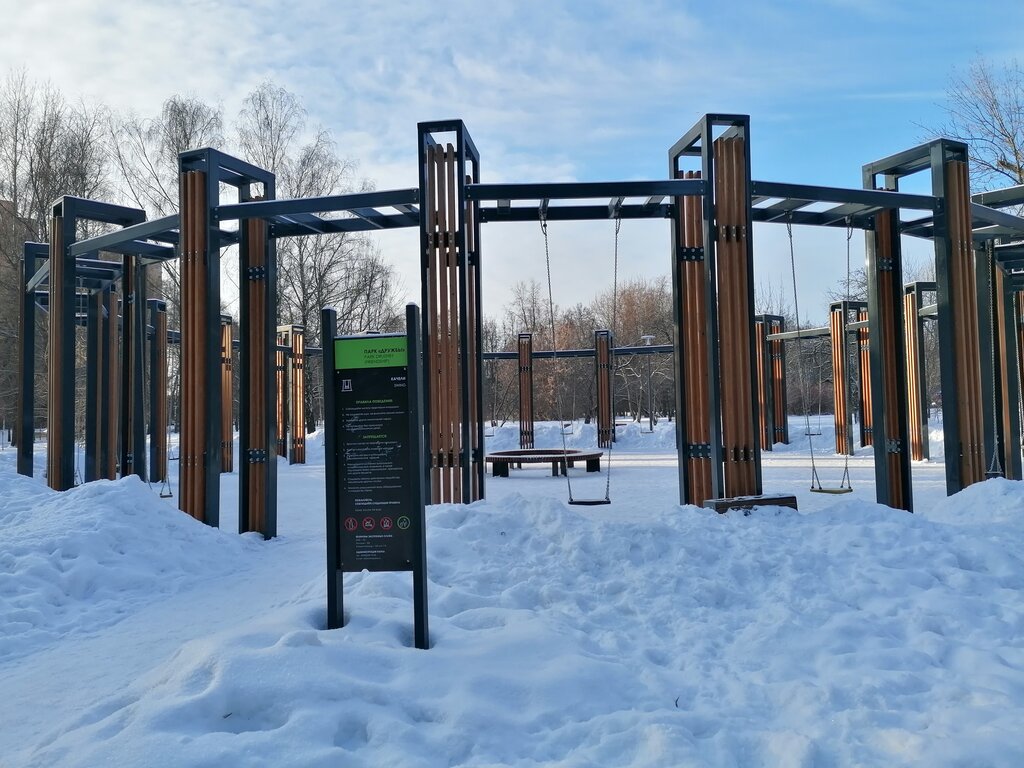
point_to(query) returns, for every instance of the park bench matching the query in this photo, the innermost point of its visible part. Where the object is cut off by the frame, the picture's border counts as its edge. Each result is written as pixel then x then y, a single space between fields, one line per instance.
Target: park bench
pixel 559 460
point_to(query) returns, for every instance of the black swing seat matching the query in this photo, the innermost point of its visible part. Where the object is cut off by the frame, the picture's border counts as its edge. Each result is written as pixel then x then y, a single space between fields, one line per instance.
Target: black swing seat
pixel 842 489
pixel 589 502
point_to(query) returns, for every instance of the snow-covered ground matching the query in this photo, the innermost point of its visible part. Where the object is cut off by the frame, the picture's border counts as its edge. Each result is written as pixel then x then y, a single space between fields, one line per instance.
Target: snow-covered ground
pixel 640 633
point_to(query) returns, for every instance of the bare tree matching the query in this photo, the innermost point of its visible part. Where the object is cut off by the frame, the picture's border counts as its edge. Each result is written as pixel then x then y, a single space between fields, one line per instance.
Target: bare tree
pixel 271 120
pixel 985 105
pixel 145 150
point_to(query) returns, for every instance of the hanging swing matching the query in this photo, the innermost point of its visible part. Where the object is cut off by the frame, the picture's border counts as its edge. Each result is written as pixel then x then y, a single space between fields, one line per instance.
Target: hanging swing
pixel 573 501
pixel 845 486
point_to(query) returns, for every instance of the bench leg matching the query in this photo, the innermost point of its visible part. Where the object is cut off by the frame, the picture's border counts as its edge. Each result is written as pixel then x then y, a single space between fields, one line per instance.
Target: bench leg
pixel 593 465
pixel 554 469
pixel 500 469
pixel 572 463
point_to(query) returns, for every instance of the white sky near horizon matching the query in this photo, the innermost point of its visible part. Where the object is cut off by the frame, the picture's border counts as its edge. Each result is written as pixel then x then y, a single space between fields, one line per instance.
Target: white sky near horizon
pixel 550 91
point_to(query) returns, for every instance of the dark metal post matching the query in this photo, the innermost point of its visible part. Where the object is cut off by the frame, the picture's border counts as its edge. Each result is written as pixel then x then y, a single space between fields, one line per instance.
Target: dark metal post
pixel 417 490
pixel 984 278
pixel 27 360
pixel 211 340
pixel 335 582
pixel 108 385
pixel 462 250
pixel 1012 362
pixel 947 349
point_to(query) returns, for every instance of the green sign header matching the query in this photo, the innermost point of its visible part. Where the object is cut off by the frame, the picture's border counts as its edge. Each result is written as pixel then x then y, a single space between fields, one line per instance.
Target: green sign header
pixel 371 352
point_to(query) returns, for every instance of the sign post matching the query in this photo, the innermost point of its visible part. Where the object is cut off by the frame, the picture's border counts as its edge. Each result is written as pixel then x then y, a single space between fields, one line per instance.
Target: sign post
pixel 376 500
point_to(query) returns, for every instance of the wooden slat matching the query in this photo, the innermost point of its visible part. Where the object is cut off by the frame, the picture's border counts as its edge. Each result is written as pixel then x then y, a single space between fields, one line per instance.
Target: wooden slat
pixel 432 312
pixel 777 347
pixel 888 330
pixel 965 325
pixel 227 443
pixel 258 397
pixel 280 409
pixel 297 394
pixel 455 393
pixel 866 408
pixel 526 428
pixel 911 324
pixel 694 349
pixel 765 410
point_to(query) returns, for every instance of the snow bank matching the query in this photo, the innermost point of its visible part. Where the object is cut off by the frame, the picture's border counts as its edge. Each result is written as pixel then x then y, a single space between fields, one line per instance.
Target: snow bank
pixel 854 636
pixel 81 560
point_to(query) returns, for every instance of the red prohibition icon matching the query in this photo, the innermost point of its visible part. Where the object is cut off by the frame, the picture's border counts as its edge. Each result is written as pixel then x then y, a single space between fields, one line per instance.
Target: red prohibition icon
pixel 351 524
pixel 368 523
pixel 385 523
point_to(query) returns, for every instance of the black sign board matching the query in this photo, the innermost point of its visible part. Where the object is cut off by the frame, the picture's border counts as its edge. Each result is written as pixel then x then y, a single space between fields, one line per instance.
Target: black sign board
pixel 374 461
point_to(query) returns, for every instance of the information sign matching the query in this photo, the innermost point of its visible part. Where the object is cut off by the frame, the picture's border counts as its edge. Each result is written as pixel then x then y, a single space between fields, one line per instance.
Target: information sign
pixel 374 461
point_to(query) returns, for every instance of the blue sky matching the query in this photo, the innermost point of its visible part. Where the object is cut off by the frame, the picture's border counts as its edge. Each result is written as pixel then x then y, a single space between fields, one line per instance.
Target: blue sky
pixel 550 91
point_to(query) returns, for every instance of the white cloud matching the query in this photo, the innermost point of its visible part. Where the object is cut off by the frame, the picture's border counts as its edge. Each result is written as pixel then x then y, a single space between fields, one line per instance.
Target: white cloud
pixel 551 91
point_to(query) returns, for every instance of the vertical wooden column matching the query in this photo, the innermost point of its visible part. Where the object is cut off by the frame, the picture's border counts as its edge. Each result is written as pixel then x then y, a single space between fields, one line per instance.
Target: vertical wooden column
pixel 526 390
pixel 281 402
pixel 297 395
pixel 60 412
pixel 227 421
pixel 451 295
pixel 888 361
pixel 158 391
pixel 258 471
pixel 764 383
pixel 867 430
pixel 963 308
pixel 840 377
pixel 199 456
pixel 740 449
pixel 604 370
pixel 694 421
pixel 780 403
pixel 916 401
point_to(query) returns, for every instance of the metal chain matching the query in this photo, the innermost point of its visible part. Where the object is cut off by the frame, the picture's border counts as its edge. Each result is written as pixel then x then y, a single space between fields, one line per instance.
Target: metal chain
pixel 800 350
pixel 554 349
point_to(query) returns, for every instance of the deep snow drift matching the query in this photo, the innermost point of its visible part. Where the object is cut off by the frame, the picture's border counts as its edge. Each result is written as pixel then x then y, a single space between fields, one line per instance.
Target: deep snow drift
pixel 638 634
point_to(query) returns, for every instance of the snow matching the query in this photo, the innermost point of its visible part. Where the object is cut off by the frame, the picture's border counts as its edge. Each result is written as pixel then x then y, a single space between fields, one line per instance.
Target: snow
pixel 640 633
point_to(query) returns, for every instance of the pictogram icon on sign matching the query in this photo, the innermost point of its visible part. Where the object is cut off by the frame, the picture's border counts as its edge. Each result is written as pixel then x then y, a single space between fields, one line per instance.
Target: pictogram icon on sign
pixel 385 523
pixel 404 522
pixel 368 523
pixel 351 524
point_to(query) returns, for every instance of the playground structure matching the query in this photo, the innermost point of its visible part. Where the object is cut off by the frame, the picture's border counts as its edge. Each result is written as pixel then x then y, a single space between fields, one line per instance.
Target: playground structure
pixel 604 373
pixel 710 201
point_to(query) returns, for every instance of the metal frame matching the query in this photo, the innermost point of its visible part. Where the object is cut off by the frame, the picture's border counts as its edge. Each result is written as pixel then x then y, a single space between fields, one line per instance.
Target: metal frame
pixel 68 211
pixel 765 202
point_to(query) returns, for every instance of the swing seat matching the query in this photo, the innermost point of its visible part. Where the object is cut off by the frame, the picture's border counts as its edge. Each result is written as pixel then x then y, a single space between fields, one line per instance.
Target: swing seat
pixel 841 489
pixel 589 502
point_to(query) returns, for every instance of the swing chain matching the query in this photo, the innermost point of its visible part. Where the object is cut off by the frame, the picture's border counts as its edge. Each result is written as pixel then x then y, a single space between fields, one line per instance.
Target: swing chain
pixel 994 469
